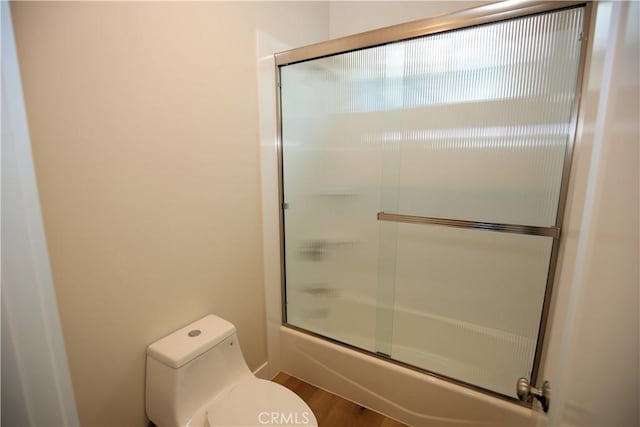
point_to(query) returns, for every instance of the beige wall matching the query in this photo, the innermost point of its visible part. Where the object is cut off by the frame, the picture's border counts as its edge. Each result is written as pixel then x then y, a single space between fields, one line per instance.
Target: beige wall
pixel 351 17
pixel 143 119
pixel 595 327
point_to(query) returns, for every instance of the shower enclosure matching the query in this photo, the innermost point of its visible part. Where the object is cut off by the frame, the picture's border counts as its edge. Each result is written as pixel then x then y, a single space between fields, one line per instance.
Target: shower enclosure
pixel 424 169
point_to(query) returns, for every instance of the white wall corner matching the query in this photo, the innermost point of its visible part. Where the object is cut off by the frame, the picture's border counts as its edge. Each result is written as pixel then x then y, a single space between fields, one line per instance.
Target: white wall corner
pixel 36 387
pixel 266 46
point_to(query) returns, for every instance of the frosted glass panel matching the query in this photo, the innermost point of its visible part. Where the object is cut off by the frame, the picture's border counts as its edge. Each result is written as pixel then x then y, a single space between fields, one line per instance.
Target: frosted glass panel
pixel 468 302
pixel 471 124
pixel 486 120
pixel 331 231
pixel 478 119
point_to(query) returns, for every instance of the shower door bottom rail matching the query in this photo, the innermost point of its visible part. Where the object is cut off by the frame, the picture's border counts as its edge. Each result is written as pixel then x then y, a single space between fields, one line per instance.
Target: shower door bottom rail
pixel 460 223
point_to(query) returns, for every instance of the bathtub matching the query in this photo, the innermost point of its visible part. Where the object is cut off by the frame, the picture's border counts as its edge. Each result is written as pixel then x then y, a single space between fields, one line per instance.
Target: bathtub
pixel 487 357
pixel 407 395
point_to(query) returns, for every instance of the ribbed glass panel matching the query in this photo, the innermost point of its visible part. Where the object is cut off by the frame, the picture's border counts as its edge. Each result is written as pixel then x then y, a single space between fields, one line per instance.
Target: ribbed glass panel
pixel 487 118
pixel 468 302
pixel 331 232
pixel 470 124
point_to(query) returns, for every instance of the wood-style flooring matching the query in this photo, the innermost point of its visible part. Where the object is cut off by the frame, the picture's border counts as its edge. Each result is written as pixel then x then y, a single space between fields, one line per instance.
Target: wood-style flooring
pixel 332 410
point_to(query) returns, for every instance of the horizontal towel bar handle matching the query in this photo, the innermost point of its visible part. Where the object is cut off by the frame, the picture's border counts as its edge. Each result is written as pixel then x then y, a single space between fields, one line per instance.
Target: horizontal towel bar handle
pixel 460 223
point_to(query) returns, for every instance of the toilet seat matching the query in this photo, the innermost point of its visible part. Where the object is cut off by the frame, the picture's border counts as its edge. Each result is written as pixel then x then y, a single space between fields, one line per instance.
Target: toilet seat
pixel 256 402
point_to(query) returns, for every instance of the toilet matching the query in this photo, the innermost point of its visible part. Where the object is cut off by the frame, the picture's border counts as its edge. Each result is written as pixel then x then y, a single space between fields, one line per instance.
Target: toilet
pixel 197 377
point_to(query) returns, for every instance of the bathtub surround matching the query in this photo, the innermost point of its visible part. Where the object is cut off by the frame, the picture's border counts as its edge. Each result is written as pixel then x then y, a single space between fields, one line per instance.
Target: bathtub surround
pixel 143 118
pixel 464 125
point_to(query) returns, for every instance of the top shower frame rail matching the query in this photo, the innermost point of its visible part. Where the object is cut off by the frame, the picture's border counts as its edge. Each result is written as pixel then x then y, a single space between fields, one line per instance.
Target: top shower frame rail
pixel 465 18
pixel 485 14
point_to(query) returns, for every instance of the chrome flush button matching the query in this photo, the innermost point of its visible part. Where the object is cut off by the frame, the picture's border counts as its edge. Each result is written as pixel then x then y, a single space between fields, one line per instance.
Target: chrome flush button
pixel 195 332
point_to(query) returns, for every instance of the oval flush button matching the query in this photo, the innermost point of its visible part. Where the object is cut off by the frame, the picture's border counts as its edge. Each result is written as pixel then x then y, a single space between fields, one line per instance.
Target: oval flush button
pixel 195 332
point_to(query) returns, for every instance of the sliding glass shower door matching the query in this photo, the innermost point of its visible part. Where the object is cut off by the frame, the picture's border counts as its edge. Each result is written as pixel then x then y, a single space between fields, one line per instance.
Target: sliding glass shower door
pixel 421 185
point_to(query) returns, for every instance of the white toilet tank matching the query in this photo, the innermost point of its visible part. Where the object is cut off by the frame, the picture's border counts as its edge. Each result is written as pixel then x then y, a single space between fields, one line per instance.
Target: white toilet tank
pixel 188 368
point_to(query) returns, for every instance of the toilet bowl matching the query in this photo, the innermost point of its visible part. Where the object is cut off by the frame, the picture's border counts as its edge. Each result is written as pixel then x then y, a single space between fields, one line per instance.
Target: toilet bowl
pixel 197 377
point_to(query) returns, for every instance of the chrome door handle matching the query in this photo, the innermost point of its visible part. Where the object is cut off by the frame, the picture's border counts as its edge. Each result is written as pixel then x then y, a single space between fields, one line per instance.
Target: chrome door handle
pixel 526 390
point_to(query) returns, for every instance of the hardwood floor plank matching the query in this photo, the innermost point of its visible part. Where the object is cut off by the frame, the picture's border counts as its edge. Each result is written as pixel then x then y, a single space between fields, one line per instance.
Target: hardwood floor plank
pixel 321 404
pixel 331 410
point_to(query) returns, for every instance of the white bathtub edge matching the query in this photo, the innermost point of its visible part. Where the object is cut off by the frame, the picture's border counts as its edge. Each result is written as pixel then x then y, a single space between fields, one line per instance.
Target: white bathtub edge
pixel 395 391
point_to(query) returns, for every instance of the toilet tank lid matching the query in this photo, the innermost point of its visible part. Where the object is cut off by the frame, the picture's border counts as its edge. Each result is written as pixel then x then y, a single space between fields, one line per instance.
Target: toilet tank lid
pixel 189 342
